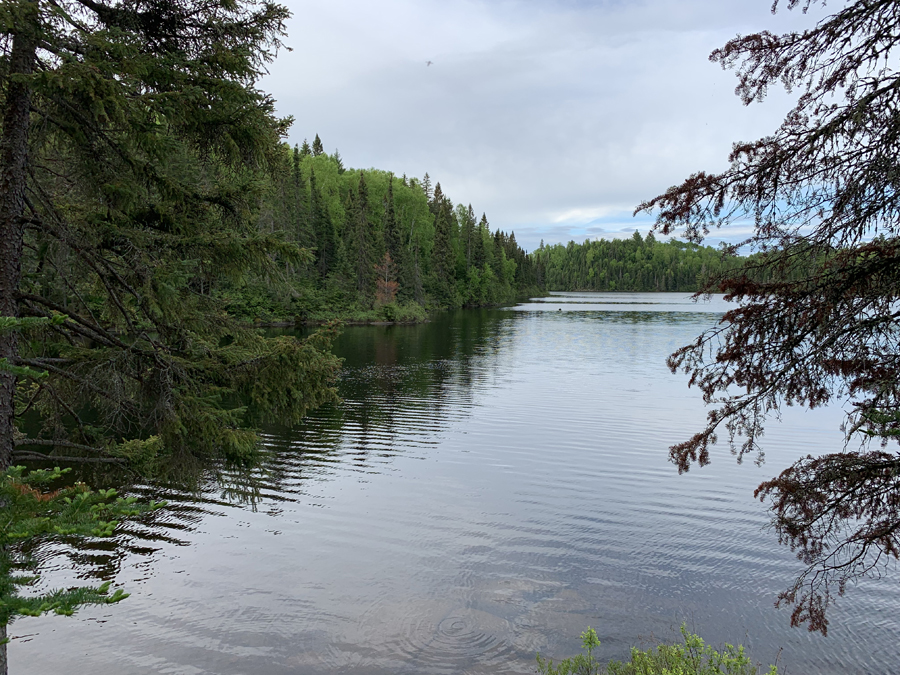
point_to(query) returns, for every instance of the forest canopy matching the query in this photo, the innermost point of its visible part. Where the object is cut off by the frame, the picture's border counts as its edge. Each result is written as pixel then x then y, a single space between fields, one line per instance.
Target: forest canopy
pixel 381 247
pixel 633 264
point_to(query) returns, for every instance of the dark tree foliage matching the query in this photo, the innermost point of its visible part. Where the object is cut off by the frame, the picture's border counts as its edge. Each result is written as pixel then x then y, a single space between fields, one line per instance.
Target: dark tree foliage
pixel 135 157
pixel 436 200
pixel 818 318
pixel 323 227
pixel 360 239
pixel 301 232
pixel 136 154
pixel 478 245
pixel 443 282
pixel 393 232
pixel 467 235
pixel 317 148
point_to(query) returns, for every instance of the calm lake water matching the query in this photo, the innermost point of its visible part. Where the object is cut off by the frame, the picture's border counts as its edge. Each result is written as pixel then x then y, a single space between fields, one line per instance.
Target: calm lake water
pixel 494 482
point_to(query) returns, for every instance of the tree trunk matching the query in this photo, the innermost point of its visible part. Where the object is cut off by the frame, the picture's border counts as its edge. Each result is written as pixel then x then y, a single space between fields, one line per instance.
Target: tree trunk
pixel 13 171
pixel 4 666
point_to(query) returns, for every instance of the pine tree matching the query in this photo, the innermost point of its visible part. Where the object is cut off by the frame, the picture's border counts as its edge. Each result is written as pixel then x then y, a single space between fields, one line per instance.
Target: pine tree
pixel 393 236
pixel 360 245
pixel 815 316
pixel 305 150
pixel 443 263
pixel 437 198
pixel 152 198
pixel 159 196
pixel 483 231
pixel 337 160
pixel 426 186
pixel 323 227
pixel 468 234
pixel 317 148
pixel 302 233
pixel 499 254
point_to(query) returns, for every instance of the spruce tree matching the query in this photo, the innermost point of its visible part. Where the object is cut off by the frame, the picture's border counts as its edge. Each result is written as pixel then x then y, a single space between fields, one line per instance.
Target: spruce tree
pixel 317 148
pixel 481 233
pixel 443 262
pixel 814 319
pixel 150 196
pixel 305 150
pixel 302 232
pixel 499 254
pixel 437 198
pixel 322 225
pixel 360 241
pixel 107 259
pixel 468 234
pixel 393 236
pixel 337 160
pixel 426 186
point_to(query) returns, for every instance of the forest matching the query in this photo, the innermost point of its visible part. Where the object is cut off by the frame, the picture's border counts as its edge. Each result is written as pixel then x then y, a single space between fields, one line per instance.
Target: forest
pixel 377 247
pixel 153 220
pixel 634 264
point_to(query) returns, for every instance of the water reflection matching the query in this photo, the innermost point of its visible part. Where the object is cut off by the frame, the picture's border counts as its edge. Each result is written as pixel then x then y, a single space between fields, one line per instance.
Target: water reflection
pixel 494 482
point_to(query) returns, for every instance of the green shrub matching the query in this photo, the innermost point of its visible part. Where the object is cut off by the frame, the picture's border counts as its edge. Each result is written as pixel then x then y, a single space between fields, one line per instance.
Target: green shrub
pixel 582 664
pixel 694 657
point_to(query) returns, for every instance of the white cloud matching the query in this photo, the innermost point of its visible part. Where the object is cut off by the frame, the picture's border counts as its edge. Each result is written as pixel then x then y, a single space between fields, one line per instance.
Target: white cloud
pixel 546 115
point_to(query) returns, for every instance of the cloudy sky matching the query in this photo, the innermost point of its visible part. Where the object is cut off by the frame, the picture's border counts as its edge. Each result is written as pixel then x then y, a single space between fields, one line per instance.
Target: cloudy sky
pixel 555 117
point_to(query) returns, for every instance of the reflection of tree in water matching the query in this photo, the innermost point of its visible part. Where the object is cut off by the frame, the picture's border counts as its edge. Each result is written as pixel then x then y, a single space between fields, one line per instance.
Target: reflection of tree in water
pixel 401 385
pixel 190 496
pixel 480 335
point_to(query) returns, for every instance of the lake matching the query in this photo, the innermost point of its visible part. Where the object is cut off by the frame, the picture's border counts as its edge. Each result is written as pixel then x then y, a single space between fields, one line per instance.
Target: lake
pixel 494 482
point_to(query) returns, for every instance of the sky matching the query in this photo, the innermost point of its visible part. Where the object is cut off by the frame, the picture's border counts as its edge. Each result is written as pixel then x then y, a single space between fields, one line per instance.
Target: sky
pixel 553 117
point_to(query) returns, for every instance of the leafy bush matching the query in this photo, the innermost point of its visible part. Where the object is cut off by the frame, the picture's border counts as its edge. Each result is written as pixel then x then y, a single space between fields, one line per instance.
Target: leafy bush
pixel 581 664
pixel 694 657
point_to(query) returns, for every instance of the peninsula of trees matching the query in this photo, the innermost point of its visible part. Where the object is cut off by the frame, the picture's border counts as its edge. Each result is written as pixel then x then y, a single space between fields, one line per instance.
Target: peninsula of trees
pixel 380 247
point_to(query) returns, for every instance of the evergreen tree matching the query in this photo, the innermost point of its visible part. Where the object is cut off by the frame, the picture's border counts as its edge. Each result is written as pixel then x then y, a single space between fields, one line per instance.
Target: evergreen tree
pixel 106 266
pixel 317 148
pixel 468 234
pixel 344 267
pixel 393 235
pixel 426 186
pixel 302 233
pixel 360 242
pixel 499 255
pixel 437 198
pixel 483 231
pixel 337 160
pixel 443 263
pixel 323 227
pixel 513 252
pixel 815 316
pixel 305 150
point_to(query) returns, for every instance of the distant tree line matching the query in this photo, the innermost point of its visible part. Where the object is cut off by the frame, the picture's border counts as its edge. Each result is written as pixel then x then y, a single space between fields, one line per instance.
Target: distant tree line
pixel 634 264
